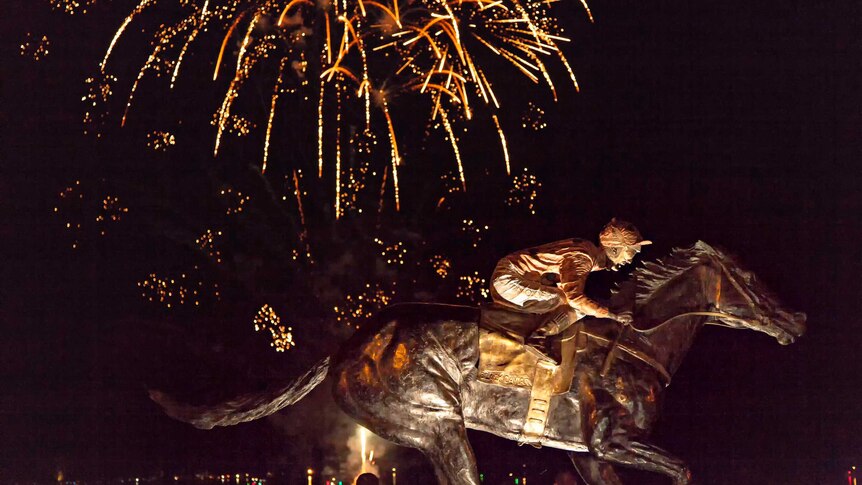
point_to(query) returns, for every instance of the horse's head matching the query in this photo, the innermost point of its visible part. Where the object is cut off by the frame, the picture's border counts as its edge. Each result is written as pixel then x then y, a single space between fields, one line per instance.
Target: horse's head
pixel 744 302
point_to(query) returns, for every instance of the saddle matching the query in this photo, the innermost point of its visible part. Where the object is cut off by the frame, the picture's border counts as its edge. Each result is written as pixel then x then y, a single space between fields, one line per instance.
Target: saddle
pixel 504 360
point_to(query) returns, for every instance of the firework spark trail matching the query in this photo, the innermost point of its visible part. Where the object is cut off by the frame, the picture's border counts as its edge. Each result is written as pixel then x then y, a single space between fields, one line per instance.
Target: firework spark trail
pixel 153 57
pixel 423 48
pixel 200 26
pixel 298 199
pixel 275 92
pixel 245 40
pixel 503 142
pixel 454 141
pixel 182 55
pixel 396 160
pixel 224 44
pixel 320 130
pixel 140 8
pixel 338 90
pixel 233 91
pixel 382 191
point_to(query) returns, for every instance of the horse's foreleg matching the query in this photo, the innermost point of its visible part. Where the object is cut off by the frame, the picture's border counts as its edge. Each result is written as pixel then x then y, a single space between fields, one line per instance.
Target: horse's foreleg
pixel 643 456
pixel 594 471
pixel 451 454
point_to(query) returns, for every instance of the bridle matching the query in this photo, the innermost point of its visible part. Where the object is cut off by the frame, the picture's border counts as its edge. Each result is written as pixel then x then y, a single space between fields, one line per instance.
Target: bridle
pixel 717 313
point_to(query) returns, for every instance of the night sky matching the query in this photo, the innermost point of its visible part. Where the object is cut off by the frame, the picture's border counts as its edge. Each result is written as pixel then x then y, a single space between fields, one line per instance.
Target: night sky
pixel 733 122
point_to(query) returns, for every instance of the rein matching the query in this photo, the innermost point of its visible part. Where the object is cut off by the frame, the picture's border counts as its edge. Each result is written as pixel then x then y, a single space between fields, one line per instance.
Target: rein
pixel 654 364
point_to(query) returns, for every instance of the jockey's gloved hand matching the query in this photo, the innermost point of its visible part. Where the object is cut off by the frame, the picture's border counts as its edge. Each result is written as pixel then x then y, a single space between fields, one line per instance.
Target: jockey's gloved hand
pixel 623 317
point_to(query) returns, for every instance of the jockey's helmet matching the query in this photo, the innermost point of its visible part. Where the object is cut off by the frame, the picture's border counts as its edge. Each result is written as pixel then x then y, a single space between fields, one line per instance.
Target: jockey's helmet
pixel 617 234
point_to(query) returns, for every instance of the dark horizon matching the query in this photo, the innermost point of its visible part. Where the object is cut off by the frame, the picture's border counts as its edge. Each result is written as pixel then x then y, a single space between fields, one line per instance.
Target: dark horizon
pixel 734 123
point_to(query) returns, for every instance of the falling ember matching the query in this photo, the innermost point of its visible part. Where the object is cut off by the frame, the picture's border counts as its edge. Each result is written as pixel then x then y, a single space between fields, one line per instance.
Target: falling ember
pixel 524 191
pixel 235 124
pixel 472 288
pixel 34 49
pixel 363 305
pixel 72 7
pixel 267 319
pixel 393 254
pixel 207 243
pixel 234 200
pixel 474 231
pixel 81 214
pixel 71 209
pixel 533 118
pixel 441 265
pixel 179 290
pixel 160 141
pixel 95 102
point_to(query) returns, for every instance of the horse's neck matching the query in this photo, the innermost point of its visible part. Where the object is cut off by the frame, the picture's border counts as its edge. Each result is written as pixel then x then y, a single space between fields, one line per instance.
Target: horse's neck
pixel 687 293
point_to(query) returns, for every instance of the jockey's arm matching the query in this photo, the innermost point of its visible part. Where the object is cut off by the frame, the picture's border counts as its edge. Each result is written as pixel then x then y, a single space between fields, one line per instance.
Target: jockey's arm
pixel 573 279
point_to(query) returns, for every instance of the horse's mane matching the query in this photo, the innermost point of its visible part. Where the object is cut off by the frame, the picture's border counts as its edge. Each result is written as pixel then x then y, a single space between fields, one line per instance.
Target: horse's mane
pixel 652 275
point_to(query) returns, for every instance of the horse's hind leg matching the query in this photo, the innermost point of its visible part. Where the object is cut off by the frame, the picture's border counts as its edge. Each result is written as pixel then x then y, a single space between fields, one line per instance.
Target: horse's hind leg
pixel 450 452
pixel 594 471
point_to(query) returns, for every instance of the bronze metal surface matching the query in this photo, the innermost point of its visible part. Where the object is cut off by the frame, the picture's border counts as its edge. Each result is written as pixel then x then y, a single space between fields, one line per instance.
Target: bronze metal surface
pixel 413 377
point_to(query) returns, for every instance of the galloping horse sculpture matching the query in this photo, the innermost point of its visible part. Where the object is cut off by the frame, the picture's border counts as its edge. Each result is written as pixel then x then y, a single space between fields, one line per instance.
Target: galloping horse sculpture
pixel 412 378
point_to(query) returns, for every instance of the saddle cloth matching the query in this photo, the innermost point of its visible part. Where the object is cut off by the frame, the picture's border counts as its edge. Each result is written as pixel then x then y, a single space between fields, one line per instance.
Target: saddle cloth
pixel 504 360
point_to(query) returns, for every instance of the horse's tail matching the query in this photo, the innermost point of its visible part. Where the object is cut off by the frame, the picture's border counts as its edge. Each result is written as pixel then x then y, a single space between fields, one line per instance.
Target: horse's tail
pixel 245 407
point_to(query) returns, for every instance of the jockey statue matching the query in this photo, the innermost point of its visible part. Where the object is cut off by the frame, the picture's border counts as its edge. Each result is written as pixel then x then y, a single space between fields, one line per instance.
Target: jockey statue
pixel 550 279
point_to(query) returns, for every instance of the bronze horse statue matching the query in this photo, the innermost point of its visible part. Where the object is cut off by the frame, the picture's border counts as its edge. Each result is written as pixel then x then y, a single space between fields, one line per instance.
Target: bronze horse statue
pixel 412 377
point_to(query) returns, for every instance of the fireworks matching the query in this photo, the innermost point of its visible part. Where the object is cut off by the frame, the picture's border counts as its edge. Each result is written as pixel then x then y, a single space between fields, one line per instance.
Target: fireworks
pixel 363 305
pixel 267 319
pixel 160 141
pixel 355 58
pixel 441 265
pixel 234 200
pixel 451 186
pixel 533 118
pixel 472 288
pixel 524 192
pixel 79 212
pixel 72 7
pixel 207 243
pixel 95 103
pixel 34 49
pixel 393 254
pixel 111 211
pixel 72 206
pixel 235 124
pixel 172 292
pixel 474 231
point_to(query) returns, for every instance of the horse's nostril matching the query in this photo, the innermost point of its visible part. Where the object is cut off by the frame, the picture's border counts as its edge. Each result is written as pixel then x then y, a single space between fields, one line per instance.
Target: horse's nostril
pixel 800 317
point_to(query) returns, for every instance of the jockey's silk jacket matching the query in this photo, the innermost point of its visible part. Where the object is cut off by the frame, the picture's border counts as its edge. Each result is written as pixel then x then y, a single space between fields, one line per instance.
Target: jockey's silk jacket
pixel 522 280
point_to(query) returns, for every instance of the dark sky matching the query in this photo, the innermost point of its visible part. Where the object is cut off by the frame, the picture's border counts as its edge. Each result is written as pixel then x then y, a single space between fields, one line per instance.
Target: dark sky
pixel 734 122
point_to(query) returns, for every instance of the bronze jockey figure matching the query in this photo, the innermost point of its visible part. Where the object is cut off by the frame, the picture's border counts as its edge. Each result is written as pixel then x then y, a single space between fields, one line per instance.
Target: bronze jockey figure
pixel 550 279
